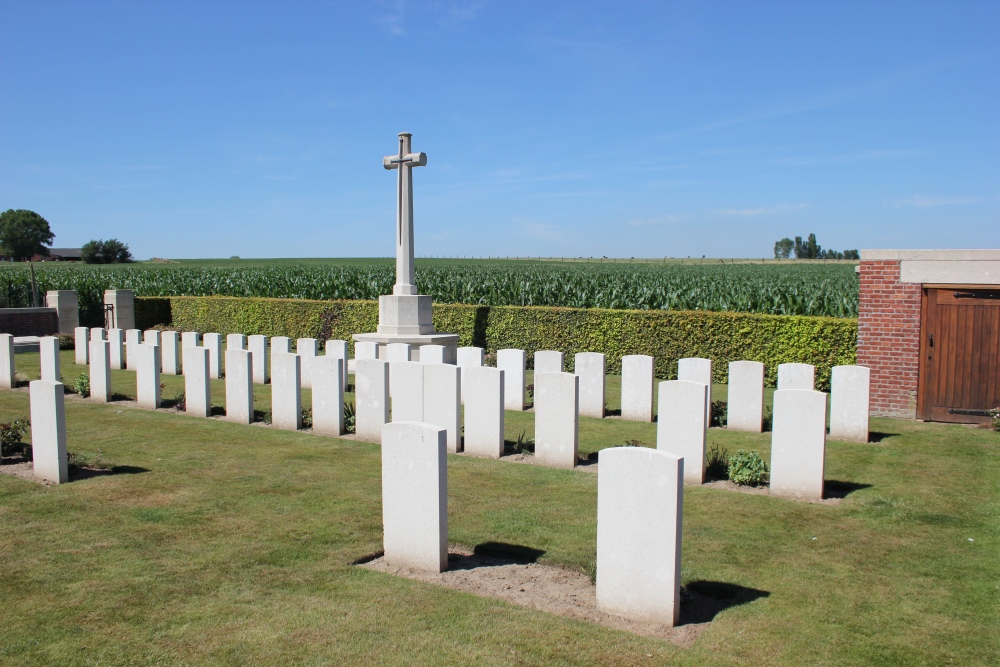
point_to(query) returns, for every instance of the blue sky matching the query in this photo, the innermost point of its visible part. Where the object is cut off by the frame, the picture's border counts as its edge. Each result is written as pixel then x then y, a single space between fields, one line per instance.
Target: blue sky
pixel 647 129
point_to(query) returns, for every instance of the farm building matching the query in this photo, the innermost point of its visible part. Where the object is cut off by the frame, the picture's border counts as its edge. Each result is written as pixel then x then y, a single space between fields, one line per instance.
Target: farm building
pixel 929 329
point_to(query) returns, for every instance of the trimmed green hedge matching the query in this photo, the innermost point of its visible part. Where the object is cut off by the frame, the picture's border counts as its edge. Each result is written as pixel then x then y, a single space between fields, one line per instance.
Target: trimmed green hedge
pixel 666 335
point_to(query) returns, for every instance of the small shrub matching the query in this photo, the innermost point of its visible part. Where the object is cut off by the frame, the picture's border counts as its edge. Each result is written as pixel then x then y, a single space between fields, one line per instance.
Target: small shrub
pixel 719 413
pixel 268 417
pixel 634 443
pixel 307 418
pixel 524 444
pixel 995 419
pixel 717 462
pixel 490 359
pixel 531 392
pixel 768 419
pixel 11 434
pixel 82 385
pixel 179 403
pixel 747 468
pixel 67 342
pixel 90 460
pixel 350 419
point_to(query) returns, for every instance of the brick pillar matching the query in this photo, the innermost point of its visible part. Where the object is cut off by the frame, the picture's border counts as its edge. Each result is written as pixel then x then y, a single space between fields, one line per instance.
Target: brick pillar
pixel 889 337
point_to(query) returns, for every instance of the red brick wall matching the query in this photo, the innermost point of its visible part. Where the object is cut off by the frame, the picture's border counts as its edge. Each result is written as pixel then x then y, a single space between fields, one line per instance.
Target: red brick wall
pixel 889 337
pixel 29 321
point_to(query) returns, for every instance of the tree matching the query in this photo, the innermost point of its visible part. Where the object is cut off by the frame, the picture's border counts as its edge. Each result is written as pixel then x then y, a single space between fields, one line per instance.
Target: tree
pixel 783 248
pixel 808 249
pixel 24 234
pixel 111 251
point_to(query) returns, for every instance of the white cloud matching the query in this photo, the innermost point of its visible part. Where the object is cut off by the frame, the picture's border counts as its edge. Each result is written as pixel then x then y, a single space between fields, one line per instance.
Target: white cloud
pixel 765 210
pixel 920 201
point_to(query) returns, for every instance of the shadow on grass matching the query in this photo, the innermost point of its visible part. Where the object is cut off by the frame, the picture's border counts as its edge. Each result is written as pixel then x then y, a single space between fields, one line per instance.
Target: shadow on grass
pixel 878 436
pixel 704 600
pixel 89 473
pixel 487 554
pixel 833 488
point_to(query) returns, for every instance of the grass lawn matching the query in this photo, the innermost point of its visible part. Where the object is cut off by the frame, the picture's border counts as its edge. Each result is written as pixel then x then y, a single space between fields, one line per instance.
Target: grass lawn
pixel 228 544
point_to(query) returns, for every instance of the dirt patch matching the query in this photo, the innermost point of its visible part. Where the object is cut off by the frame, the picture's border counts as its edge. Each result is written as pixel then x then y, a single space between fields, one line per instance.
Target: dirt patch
pixel 553 590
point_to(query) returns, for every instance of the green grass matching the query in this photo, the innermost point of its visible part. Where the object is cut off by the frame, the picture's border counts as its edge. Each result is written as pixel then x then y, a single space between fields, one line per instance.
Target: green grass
pixel 234 547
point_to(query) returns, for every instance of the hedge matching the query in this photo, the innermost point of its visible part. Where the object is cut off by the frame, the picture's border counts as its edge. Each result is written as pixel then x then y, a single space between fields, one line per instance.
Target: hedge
pixel 666 335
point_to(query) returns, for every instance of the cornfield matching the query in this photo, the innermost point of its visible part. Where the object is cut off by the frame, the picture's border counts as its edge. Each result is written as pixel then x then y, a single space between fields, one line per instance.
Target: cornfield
pixel 830 290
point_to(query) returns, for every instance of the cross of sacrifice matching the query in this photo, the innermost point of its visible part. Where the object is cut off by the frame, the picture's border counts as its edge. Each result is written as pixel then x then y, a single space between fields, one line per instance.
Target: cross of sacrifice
pixel 404 162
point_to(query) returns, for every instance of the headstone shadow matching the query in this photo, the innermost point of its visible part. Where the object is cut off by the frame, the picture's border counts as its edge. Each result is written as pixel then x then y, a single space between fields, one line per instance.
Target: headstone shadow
pixel 489 554
pixel 833 488
pixel 89 473
pixel 702 601
pixel 879 436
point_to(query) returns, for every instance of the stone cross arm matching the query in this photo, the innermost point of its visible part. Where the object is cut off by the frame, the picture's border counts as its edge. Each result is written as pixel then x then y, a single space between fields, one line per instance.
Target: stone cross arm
pixel 410 159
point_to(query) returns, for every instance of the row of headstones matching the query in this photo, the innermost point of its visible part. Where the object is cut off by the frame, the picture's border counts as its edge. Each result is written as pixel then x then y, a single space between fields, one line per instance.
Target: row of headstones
pixel 640 498
pixel 173 345
pixel 327 378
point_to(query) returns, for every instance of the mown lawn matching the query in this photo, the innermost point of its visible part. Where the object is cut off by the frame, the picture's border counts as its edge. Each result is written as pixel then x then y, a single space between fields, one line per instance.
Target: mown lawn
pixel 229 544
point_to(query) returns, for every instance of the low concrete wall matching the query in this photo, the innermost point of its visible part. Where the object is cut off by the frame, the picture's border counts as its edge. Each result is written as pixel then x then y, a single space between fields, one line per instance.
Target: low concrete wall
pixel 29 321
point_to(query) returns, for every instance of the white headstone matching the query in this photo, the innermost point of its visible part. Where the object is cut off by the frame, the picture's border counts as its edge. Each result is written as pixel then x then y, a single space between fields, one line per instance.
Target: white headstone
pixel 696 369
pixel 151 337
pixel 100 371
pixel 442 403
pixel 48 358
pixel 680 426
pixel 188 339
pixel 798 443
pixel 797 376
pixel 484 413
pixel 307 349
pixel 850 388
pixel 745 400
pixel 170 352
pixel 116 346
pixel 97 334
pixel 81 345
pixel 549 361
pixel 338 350
pixel 197 388
pixel 48 430
pixel 213 343
pixel 281 344
pixel 371 396
pixel 406 380
pixel 468 357
pixel 637 387
pixel 236 341
pixel 239 385
pixel 133 337
pixel 286 391
pixel 146 359
pixel 257 346
pixel 365 350
pixel 328 395
pixel 640 505
pixel 397 352
pixel 7 361
pixel 415 496
pixel 432 354
pixel 591 368
pixel 557 404
pixel 512 363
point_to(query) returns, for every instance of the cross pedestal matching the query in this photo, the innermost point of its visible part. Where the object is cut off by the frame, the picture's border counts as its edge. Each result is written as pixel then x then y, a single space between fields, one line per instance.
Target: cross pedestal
pixel 405 316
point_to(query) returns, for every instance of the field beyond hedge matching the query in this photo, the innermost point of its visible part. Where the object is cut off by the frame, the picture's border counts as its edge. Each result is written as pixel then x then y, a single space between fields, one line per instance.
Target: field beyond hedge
pixel 216 543
pixel 791 288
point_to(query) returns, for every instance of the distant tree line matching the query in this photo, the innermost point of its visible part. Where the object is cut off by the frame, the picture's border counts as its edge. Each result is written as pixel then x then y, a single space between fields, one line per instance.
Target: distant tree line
pixel 809 249
pixel 111 251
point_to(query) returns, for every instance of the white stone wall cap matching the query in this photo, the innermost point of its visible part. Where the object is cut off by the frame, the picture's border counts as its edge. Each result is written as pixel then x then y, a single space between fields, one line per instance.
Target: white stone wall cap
pixel 981 254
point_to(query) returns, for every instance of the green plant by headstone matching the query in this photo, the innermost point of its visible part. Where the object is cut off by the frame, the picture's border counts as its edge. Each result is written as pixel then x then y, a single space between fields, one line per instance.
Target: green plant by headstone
pixel 11 434
pixel 350 419
pixel 717 462
pixel 719 412
pixel 82 385
pixel 748 468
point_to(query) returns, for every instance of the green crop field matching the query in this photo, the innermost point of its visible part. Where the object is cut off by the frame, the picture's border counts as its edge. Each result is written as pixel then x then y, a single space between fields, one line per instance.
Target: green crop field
pixel 778 289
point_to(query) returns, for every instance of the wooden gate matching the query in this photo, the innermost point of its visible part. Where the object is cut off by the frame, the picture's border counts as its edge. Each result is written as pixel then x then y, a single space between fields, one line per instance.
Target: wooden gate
pixel 959 354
